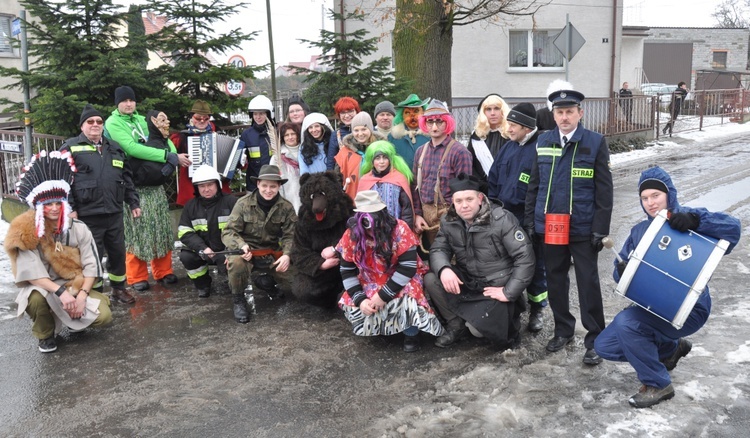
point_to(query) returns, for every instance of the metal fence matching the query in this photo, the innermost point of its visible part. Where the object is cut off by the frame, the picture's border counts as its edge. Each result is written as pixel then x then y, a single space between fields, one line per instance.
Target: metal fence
pixel 11 164
pixel 701 109
pixel 609 116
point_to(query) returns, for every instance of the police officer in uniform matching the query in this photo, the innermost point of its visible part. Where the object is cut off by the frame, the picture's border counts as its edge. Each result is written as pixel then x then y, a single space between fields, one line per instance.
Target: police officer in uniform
pixel 571 179
pixel 101 185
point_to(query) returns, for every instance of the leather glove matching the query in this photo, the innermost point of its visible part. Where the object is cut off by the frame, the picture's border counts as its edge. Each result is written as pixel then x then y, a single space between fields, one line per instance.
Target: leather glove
pixel 621 267
pixel 596 241
pixel 684 221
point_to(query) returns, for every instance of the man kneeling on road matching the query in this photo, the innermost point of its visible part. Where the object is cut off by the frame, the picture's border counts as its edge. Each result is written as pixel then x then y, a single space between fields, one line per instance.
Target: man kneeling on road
pixel 262 225
pixel 494 264
pixel 200 227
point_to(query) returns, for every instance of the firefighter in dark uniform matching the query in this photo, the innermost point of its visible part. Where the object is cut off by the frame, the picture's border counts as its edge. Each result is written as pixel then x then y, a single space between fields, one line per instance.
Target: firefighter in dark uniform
pixel 200 227
pixel 102 183
pixel 569 201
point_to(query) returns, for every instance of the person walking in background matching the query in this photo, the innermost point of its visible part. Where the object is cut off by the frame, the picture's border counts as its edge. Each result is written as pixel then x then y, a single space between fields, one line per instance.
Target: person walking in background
pixel 675 106
pixel 625 98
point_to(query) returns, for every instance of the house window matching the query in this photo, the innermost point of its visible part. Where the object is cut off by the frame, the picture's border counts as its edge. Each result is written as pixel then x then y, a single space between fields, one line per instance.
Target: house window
pixel 719 60
pixel 534 49
pixel 6 46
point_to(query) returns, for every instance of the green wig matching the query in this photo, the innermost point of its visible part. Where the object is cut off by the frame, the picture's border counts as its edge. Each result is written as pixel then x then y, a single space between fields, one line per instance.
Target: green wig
pixel 383 147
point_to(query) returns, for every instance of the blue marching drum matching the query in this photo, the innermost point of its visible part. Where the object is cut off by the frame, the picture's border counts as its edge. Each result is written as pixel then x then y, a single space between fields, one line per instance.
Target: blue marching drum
pixel 669 270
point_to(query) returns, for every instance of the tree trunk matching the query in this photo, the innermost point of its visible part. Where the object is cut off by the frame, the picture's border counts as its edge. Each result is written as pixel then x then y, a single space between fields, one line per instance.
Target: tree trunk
pixel 423 39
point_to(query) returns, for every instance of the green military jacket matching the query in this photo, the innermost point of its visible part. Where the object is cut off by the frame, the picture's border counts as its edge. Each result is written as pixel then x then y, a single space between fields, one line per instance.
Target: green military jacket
pixel 249 224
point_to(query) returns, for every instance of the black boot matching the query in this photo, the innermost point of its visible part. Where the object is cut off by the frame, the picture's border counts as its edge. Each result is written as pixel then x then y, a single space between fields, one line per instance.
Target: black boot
pixel 536 319
pixel 240 310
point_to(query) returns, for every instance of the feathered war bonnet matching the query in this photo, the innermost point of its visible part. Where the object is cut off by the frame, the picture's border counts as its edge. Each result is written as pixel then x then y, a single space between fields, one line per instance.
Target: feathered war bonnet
pixel 47 178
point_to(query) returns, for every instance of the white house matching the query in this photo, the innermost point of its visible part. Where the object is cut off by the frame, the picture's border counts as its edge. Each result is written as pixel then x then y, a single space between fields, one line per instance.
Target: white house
pixel 515 56
pixel 9 56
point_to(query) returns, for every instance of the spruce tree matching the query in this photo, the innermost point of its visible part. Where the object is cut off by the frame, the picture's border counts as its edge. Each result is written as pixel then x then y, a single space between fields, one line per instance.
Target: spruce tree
pixel 185 44
pixel 79 58
pixel 347 74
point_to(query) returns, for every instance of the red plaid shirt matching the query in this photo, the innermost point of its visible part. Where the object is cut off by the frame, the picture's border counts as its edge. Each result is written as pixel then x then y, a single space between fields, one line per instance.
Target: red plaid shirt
pixel 458 160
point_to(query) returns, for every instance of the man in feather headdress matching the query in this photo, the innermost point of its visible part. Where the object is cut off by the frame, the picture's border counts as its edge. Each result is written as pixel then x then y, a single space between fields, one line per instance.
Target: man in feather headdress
pixel 53 257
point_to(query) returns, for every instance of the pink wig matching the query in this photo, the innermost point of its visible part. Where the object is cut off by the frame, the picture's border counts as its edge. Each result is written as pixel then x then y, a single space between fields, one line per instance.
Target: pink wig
pixel 450 122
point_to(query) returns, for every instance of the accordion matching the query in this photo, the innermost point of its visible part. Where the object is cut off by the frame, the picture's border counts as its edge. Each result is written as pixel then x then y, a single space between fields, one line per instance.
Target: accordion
pixel 221 152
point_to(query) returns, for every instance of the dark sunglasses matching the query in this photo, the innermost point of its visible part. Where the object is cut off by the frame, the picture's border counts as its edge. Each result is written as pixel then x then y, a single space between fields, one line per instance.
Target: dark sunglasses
pixel 202 119
pixel 95 122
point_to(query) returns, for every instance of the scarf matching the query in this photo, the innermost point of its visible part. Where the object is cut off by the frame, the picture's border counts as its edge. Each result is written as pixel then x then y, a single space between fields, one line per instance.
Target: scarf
pixel 266 205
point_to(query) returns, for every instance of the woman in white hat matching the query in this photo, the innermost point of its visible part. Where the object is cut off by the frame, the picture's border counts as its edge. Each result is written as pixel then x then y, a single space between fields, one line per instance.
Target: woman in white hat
pixel 382 275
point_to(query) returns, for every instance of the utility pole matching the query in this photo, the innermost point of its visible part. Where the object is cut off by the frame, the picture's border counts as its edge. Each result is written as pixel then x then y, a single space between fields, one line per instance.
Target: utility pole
pixel 270 50
pixel 28 145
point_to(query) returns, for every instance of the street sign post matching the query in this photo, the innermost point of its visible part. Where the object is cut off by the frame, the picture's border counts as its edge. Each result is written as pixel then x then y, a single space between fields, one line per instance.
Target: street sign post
pixel 568 42
pixel 235 88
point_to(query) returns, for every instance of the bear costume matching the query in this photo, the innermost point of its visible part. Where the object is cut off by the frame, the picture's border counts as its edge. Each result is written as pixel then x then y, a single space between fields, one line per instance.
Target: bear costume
pixel 322 221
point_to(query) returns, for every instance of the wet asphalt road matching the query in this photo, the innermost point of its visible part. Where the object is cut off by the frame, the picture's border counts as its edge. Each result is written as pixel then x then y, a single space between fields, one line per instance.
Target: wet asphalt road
pixel 177 365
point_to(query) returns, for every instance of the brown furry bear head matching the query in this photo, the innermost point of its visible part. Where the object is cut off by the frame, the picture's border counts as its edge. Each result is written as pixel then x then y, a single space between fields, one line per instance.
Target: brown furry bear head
pixel 324 202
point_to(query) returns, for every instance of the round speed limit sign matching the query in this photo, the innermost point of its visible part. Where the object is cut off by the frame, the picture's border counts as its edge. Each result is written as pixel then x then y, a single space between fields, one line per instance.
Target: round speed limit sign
pixel 235 88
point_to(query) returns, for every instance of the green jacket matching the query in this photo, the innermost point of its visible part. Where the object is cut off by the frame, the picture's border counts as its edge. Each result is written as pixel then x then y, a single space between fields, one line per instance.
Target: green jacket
pixel 131 132
pixel 249 224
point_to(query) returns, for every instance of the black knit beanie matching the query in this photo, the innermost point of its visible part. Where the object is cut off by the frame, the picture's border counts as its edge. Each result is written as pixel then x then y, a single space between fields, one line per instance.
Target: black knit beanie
pixel 88 112
pixel 523 114
pixel 653 183
pixel 124 93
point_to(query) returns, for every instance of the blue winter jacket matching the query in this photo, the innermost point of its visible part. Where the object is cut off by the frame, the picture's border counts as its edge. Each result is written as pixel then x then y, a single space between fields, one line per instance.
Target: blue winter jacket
pixel 510 173
pixel 257 143
pixel 717 225
pixel 579 168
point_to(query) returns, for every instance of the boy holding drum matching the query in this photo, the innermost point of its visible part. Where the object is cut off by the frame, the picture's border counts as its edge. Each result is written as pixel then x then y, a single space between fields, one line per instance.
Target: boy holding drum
pixel 650 344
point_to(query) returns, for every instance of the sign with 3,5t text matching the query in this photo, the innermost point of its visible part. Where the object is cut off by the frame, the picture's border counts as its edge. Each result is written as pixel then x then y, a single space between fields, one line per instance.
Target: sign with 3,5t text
pixel 235 88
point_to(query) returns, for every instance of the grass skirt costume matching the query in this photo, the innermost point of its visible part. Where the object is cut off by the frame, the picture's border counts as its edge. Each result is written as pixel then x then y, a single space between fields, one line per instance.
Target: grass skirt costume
pixel 150 236
pixel 409 308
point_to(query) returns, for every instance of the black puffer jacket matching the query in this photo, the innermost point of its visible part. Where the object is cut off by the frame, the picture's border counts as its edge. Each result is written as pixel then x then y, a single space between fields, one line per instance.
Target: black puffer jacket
pixel 492 251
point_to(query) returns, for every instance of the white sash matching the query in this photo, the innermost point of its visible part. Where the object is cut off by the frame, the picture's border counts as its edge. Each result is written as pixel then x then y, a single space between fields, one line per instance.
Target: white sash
pixel 483 154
